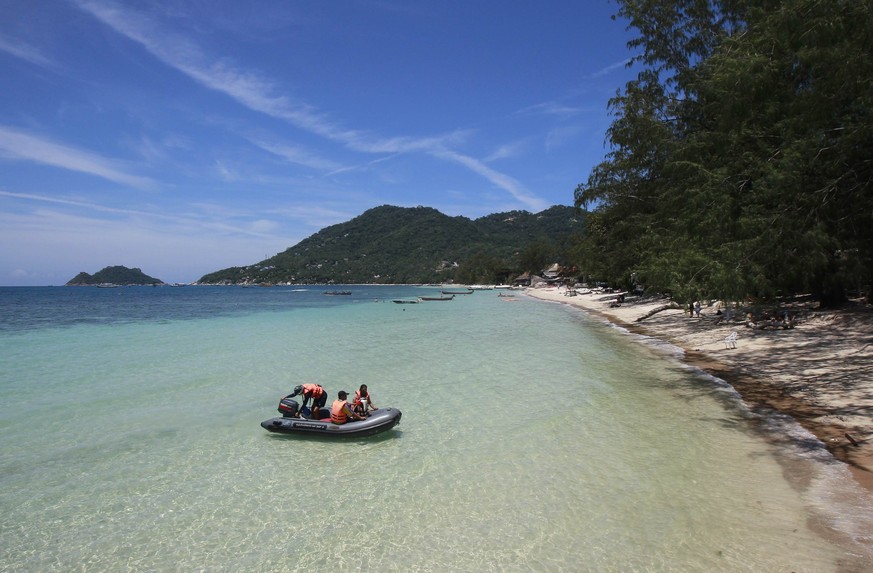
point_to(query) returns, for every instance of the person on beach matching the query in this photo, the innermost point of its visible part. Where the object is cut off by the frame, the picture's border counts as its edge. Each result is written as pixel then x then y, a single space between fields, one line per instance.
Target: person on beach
pixel 362 401
pixel 340 412
pixel 316 393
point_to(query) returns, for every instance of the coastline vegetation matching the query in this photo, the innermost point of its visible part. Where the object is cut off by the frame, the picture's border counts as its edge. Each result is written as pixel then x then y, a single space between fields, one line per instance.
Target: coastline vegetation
pixel 741 155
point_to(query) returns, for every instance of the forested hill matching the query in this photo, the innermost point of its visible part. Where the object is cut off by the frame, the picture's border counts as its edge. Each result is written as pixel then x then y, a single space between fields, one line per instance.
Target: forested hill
pixel 118 275
pixel 390 244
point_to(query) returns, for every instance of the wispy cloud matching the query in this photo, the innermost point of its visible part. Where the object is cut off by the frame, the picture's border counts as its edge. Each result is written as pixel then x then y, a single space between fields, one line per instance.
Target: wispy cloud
pixel 250 89
pixel 551 108
pixel 362 165
pixel 184 249
pixel 260 94
pixel 499 179
pixel 609 69
pixel 19 145
pixel 508 150
pixel 559 136
pixel 25 52
pixel 297 155
pixel 257 228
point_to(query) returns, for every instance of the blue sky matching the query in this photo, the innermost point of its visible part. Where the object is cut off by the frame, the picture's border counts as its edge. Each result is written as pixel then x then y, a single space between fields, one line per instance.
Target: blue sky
pixel 187 136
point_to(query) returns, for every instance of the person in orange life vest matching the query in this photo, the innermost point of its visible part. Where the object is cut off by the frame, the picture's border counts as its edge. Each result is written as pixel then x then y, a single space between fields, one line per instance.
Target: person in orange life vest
pixel 362 394
pixel 340 412
pixel 314 392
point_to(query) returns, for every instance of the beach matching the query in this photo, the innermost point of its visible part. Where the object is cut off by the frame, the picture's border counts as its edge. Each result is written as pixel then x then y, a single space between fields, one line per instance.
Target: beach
pixel 818 372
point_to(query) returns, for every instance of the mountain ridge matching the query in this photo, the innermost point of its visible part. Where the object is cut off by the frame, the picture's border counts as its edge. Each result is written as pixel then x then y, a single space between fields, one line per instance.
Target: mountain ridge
pixel 389 244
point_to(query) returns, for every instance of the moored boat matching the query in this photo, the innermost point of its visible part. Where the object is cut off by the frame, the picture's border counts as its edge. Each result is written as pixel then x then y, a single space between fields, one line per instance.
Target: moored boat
pixel 415 300
pixel 453 292
pixel 449 297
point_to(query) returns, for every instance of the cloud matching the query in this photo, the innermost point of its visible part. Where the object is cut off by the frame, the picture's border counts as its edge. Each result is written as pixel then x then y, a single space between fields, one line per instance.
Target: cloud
pixel 260 94
pixel 499 179
pixel 508 150
pixel 25 52
pixel 248 88
pixel 610 68
pixel 559 136
pixel 551 108
pixel 16 144
pixel 169 252
pixel 196 221
pixel 297 155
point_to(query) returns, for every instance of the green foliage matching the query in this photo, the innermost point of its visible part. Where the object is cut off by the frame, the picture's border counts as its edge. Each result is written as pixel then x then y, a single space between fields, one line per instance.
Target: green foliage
pixel 741 155
pixel 410 245
pixel 117 275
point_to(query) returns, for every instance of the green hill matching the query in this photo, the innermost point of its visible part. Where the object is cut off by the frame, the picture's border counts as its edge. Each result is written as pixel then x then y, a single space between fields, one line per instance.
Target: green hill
pixel 415 245
pixel 117 275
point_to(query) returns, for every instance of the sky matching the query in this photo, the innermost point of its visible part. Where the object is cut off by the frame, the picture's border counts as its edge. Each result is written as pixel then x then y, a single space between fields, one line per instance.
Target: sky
pixel 187 136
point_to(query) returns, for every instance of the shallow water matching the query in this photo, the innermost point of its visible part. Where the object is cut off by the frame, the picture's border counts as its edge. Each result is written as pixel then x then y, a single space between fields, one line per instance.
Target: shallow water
pixel 532 439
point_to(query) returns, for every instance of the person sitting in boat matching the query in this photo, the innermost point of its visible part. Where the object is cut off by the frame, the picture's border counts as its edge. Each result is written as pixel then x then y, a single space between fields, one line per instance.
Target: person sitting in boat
pixel 314 392
pixel 362 401
pixel 340 411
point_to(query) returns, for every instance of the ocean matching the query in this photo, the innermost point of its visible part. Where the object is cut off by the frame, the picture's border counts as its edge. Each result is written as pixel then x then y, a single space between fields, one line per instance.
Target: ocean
pixel 534 438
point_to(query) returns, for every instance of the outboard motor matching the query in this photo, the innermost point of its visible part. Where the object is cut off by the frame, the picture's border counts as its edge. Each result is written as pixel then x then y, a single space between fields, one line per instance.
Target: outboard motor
pixel 288 407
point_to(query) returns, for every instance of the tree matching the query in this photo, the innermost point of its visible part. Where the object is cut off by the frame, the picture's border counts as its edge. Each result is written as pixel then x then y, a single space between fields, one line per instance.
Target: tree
pixel 740 160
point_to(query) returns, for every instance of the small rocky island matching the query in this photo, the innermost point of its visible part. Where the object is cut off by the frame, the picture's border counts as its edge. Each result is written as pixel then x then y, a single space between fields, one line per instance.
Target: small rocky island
pixel 117 275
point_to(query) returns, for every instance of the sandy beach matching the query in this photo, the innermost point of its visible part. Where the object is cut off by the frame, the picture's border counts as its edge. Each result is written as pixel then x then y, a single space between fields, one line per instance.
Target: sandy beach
pixel 820 372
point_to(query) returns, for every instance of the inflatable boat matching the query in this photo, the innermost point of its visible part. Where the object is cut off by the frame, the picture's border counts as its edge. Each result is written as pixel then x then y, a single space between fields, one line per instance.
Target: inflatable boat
pixel 378 421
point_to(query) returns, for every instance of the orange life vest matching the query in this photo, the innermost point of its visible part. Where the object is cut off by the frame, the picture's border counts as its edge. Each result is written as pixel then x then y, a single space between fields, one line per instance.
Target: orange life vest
pixel 338 412
pixel 358 397
pixel 313 390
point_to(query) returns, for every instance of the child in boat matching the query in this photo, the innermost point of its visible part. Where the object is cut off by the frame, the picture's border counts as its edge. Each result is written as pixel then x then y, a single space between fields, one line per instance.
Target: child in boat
pixel 363 402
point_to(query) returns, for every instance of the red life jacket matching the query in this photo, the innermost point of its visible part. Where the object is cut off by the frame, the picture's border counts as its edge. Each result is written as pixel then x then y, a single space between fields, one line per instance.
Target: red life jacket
pixel 338 412
pixel 313 390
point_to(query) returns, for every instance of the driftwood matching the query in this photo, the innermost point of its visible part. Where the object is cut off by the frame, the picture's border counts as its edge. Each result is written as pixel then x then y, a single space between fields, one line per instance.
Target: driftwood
pixel 655 311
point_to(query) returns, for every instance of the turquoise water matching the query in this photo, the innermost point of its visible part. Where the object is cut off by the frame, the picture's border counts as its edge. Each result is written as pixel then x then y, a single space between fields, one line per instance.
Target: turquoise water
pixel 533 439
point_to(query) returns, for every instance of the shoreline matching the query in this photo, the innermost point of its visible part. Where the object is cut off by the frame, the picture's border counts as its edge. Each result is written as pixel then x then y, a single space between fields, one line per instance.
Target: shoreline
pixel 819 373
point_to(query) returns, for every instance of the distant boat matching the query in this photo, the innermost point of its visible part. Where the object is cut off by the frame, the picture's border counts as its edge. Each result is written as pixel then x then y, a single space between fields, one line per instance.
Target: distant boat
pixel 337 292
pixel 454 292
pixel 415 300
pixel 449 297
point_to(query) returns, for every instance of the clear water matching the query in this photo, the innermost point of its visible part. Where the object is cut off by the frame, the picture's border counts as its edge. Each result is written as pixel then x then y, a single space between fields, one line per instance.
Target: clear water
pixel 532 439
